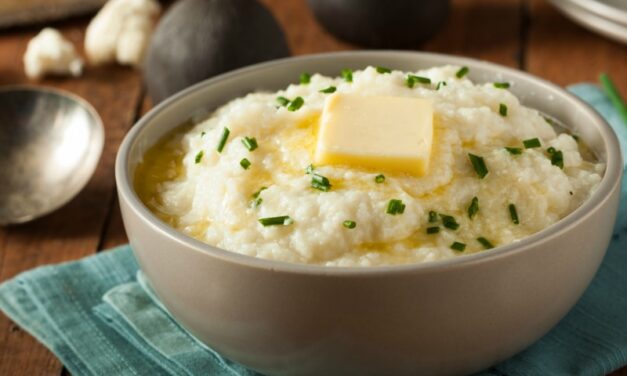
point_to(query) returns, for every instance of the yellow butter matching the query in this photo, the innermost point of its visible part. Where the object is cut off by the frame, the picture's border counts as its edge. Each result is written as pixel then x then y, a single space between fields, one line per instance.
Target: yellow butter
pixel 378 132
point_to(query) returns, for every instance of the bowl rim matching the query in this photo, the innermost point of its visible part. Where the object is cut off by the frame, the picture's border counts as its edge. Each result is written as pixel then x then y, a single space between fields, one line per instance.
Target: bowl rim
pixel 610 181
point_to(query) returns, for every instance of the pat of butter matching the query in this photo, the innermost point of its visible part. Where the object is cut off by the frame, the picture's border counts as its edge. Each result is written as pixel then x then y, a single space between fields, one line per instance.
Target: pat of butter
pixel 378 132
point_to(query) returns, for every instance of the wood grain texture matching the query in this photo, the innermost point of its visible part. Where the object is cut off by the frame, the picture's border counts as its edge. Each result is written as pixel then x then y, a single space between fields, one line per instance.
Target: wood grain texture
pixel 75 230
pixel 565 53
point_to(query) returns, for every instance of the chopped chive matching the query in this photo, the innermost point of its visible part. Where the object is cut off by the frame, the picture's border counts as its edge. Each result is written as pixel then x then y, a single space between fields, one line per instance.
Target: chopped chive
pixel 459 247
pixel 309 169
pixel 320 183
pixel 347 75
pixel 503 109
pixel 199 156
pixel 295 104
pixel 256 194
pixel 473 209
pixel 329 90
pixel 203 133
pixel 283 220
pixel 514 151
pixel 532 143
pixel 245 163
pixel 250 143
pixel 612 93
pixel 449 222
pixel 305 78
pixel 411 80
pixel 223 138
pixel 349 224
pixel 462 72
pixel 501 85
pixel 485 242
pixel 282 101
pixel 383 70
pixel 440 84
pixel 433 217
pixel 379 179
pixel 395 207
pixel 479 165
pixel 557 157
pixel 549 120
pixel 513 214
pixel 257 200
pixel 433 230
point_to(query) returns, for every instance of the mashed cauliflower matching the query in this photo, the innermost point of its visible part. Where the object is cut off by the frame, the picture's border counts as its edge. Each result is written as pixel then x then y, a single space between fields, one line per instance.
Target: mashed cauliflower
pixel 209 195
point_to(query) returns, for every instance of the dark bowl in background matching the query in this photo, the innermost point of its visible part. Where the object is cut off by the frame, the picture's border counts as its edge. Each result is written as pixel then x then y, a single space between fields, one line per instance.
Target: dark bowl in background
pixel 381 23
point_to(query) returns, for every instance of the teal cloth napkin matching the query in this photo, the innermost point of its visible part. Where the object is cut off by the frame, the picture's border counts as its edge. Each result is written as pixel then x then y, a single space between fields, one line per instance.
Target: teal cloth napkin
pixel 99 316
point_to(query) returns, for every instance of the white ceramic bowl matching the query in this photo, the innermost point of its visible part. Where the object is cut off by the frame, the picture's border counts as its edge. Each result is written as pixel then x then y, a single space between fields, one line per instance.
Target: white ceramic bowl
pixel 447 317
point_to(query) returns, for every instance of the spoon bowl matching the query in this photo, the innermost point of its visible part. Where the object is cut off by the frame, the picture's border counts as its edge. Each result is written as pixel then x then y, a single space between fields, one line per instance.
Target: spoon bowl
pixel 50 144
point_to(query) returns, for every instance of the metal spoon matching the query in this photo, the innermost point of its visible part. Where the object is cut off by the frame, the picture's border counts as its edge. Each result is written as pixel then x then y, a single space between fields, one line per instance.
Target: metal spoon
pixel 50 144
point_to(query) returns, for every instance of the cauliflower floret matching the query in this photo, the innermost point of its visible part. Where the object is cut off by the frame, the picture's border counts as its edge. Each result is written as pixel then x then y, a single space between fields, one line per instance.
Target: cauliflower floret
pixel 50 53
pixel 120 32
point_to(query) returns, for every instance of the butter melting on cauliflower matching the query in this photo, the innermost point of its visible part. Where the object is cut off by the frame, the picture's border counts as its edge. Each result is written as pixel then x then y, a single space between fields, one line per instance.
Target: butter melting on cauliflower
pixel 120 32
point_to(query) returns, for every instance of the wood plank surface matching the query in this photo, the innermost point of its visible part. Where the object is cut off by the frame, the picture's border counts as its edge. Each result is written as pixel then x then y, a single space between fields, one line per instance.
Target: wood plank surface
pixel 75 230
pixel 565 53
pixel 526 34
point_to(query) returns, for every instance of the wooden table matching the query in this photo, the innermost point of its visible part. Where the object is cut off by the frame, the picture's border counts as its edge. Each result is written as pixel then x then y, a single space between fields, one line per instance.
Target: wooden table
pixel 525 34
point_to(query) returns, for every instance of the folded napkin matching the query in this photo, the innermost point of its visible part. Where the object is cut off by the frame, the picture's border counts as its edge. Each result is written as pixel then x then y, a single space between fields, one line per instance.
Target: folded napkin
pixel 99 316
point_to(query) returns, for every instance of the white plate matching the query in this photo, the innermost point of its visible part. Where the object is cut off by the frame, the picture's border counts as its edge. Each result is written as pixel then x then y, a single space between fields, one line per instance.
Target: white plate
pixel 606 17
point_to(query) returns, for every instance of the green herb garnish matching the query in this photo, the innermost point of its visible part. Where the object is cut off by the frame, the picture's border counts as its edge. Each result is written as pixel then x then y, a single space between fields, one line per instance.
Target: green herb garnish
pixel 532 143
pixel 473 208
pixel 245 163
pixel 347 75
pixel 449 222
pixel 199 156
pixel 462 72
pixel 433 230
pixel 305 78
pixel 557 157
pixel 501 85
pixel 349 224
pixel 257 200
pixel 479 165
pixel 411 80
pixel 395 207
pixel 379 179
pixel 440 84
pixel 513 214
pixel 320 183
pixel 383 70
pixel 309 169
pixel 459 247
pixel 295 104
pixel 250 143
pixel 485 242
pixel 203 133
pixel 329 90
pixel 433 217
pixel 283 220
pixel 612 92
pixel 503 109
pixel 514 151
pixel 223 138
pixel 282 101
